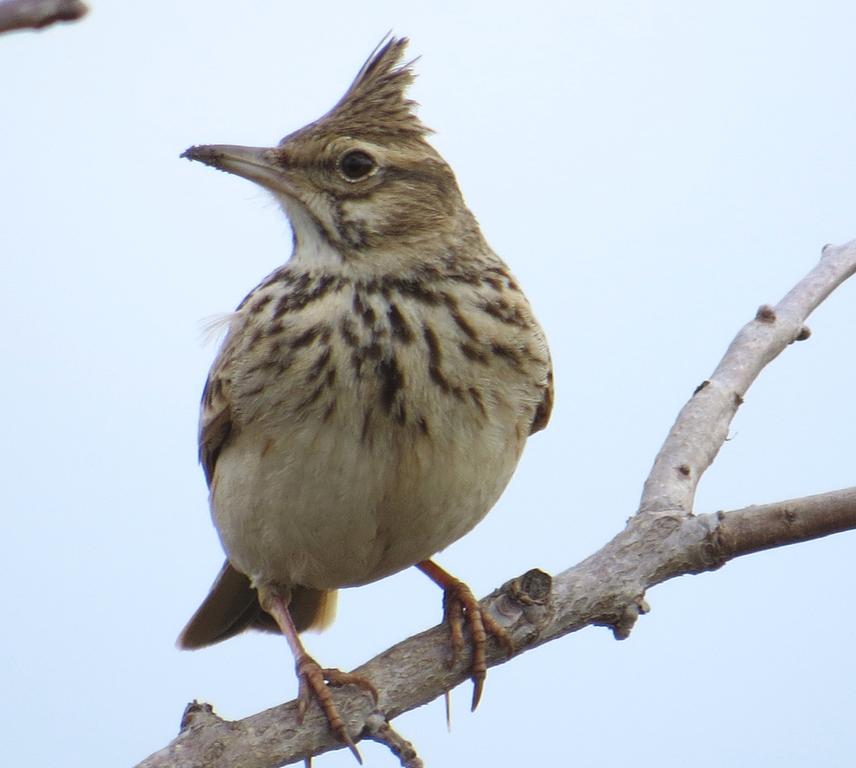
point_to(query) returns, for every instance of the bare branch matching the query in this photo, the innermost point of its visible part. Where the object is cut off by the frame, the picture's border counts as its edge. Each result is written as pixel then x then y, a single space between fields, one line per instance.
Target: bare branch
pixel 663 541
pixel 772 525
pixel 37 14
pixel 702 425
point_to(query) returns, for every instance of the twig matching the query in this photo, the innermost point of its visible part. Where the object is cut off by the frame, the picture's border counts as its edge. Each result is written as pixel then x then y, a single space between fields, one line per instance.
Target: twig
pixel 702 425
pixel 378 729
pixel 37 14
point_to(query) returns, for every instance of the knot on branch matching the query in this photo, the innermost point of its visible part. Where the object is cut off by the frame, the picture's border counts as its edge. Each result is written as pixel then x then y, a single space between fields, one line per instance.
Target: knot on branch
pixel 522 605
pixel 198 714
pixel 622 628
pixel 803 333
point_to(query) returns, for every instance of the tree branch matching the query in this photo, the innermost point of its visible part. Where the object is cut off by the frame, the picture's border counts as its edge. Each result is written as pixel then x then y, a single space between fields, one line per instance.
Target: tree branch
pixel 662 541
pixel 37 14
pixel 702 425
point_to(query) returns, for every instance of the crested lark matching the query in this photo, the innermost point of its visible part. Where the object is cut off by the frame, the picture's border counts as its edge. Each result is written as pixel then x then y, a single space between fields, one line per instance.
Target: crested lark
pixel 372 397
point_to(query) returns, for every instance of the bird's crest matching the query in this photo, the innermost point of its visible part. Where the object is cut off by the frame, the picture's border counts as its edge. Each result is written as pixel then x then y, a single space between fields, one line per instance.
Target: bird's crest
pixel 376 104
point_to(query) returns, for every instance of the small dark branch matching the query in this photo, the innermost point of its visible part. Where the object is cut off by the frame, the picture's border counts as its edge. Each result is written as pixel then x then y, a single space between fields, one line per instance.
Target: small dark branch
pixel 702 425
pixel 37 14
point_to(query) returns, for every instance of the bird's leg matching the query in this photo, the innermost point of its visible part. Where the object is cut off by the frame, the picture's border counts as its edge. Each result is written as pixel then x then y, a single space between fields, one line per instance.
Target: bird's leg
pixel 460 605
pixel 313 679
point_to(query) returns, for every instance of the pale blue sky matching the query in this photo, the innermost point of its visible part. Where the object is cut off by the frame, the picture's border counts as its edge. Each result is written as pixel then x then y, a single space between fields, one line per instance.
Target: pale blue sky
pixel 652 172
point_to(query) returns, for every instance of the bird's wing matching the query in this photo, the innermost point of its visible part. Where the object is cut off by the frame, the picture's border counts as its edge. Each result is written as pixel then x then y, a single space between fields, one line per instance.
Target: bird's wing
pixel 545 407
pixel 215 424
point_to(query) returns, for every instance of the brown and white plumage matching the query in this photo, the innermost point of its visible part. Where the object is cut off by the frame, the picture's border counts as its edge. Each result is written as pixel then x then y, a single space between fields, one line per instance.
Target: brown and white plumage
pixel 373 396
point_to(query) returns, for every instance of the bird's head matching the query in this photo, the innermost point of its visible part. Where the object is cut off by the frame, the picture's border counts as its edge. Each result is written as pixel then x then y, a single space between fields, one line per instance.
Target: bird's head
pixel 361 181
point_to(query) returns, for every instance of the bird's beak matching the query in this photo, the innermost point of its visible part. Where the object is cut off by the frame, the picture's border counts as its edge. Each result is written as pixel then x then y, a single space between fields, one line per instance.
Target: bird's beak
pixel 257 164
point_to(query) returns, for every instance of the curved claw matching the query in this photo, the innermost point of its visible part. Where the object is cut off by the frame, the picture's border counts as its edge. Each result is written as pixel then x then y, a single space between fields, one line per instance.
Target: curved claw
pixel 315 682
pixel 459 606
pixel 337 678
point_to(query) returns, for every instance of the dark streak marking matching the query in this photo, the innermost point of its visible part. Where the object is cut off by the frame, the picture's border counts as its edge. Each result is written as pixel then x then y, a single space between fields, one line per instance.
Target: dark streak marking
pixel 438 378
pixel 329 410
pixel 298 297
pixel 364 432
pixel 412 288
pixel 459 319
pixel 258 305
pixel 505 312
pixel 435 359
pixel 316 393
pixel 507 353
pixel 346 331
pixel 474 354
pixel 433 346
pixel 400 329
pixel 319 365
pixel 477 399
pixel 357 364
pixel 401 416
pixel 392 380
pixel 464 325
pixel 366 313
pixel 306 338
pixel 280 365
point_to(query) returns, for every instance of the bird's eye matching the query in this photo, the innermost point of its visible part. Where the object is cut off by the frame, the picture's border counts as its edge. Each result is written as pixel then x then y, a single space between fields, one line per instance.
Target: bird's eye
pixel 356 164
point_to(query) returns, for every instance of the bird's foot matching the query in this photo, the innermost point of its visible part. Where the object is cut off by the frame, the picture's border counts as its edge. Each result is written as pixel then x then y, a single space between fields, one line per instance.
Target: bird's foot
pixel 460 607
pixel 315 681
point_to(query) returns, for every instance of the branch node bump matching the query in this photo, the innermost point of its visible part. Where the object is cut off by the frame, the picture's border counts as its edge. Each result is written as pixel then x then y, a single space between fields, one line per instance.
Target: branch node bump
pixel 700 387
pixel 804 333
pixel 532 588
pixel 523 605
pixel 624 626
pixel 197 713
pixel 765 314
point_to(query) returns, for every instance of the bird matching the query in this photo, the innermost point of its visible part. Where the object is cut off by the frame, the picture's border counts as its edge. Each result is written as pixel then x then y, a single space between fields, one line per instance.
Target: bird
pixel 371 397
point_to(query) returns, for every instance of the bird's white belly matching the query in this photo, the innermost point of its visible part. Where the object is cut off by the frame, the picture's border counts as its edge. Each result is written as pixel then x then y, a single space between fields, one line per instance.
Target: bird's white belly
pixel 324 506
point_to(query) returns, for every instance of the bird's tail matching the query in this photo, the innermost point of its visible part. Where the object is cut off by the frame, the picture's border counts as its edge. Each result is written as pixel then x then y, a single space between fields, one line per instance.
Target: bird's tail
pixel 232 605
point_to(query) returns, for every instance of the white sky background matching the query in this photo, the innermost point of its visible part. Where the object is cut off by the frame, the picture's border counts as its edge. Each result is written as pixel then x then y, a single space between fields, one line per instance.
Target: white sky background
pixel 652 172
